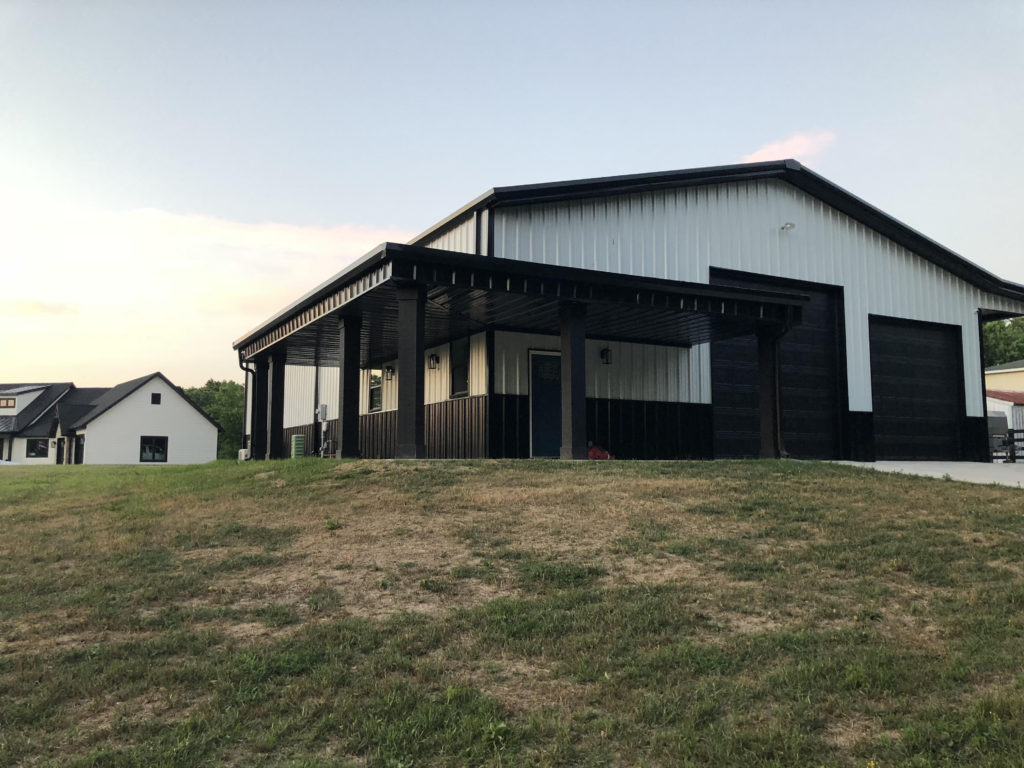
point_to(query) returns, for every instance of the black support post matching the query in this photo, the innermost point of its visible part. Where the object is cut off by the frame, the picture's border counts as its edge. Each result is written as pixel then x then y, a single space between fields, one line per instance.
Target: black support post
pixel 768 390
pixel 410 442
pixel 349 329
pixel 572 320
pixel 258 412
pixel 275 408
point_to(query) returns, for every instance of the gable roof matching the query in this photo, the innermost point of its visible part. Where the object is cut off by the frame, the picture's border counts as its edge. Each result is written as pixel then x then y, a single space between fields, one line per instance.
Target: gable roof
pixel 789 171
pixel 1017 398
pixel 1011 366
pixel 31 415
pixel 94 402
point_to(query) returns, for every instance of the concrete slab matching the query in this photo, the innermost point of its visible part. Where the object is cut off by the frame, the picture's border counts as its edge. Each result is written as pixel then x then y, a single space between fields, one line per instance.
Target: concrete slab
pixel 965 471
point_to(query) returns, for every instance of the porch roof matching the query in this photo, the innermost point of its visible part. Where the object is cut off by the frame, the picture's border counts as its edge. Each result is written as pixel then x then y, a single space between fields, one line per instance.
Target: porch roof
pixel 467 293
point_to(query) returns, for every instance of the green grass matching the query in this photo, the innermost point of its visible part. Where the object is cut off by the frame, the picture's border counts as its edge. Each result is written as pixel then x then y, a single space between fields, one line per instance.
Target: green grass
pixel 308 613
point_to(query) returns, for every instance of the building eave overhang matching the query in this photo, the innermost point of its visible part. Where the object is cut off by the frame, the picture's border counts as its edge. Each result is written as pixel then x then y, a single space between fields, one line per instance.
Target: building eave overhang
pixel 468 293
pixel 790 171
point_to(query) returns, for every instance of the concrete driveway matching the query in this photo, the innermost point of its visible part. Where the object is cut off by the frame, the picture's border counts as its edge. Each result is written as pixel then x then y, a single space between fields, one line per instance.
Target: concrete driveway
pixel 967 471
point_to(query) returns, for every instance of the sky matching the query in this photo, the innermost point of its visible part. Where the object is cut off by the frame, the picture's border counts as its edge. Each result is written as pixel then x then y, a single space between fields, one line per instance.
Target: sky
pixel 174 172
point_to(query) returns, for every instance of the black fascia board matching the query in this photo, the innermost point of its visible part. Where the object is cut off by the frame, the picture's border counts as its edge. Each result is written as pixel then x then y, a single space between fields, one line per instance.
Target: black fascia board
pixel 790 171
pixel 408 257
pixel 529 269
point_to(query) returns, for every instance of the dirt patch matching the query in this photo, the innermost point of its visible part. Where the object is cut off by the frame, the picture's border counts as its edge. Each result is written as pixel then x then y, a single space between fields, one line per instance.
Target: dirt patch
pixel 855 729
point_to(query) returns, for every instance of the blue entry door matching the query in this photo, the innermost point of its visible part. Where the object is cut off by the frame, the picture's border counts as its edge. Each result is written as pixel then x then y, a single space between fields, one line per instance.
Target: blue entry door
pixel 545 404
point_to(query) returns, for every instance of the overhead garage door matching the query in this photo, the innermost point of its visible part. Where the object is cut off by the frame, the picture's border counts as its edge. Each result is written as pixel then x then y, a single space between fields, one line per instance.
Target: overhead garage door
pixel 917 386
pixel 811 382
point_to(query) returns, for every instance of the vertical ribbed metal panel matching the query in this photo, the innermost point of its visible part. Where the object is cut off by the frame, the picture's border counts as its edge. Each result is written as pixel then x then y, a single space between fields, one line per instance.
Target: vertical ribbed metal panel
pixel 679 234
pixel 460 238
pixel 298 394
pixel 478 364
pixel 637 371
pixel 437 383
pixel 329 378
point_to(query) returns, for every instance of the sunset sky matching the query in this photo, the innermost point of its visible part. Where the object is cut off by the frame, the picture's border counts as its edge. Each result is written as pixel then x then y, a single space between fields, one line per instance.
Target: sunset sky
pixel 172 173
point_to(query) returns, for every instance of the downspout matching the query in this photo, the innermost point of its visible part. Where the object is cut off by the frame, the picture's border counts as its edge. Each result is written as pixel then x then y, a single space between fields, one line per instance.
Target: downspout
pixel 245 401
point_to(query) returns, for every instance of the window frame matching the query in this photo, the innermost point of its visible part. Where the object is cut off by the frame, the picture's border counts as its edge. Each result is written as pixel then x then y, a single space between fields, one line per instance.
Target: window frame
pixel 142 449
pixel 8 402
pixel 154 398
pixel 377 387
pixel 29 441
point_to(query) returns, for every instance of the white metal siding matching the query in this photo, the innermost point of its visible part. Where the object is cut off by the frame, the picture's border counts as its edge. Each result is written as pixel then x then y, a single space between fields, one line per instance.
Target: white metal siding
pixel 679 234
pixel 478 364
pixel 298 394
pixel 461 238
pixel 637 371
pixel 298 384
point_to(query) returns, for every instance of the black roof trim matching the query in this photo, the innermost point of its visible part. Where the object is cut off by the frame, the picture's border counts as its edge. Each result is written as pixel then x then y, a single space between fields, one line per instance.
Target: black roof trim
pixel 116 394
pixel 34 411
pixel 790 171
pixel 397 261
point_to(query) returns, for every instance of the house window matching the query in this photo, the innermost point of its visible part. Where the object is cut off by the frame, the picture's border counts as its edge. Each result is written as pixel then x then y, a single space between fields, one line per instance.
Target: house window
pixel 459 364
pixel 152 449
pixel 8 402
pixel 155 398
pixel 37 448
pixel 376 389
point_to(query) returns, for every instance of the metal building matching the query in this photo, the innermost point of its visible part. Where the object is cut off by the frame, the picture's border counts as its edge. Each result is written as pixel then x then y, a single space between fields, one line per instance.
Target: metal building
pixel 746 310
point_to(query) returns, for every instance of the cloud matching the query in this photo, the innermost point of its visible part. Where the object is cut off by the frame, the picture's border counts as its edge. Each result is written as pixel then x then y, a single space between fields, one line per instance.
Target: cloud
pixel 150 289
pixel 16 308
pixel 799 146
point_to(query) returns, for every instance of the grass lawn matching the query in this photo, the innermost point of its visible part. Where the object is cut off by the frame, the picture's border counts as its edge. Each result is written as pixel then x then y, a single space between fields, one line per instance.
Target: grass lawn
pixel 314 613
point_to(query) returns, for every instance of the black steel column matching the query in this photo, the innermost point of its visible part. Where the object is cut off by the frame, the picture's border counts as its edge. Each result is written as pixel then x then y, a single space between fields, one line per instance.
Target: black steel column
pixel 572 319
pixel 258 410
pixel 768 391
pixel 410 442
pixel 349 329
pixel 275 407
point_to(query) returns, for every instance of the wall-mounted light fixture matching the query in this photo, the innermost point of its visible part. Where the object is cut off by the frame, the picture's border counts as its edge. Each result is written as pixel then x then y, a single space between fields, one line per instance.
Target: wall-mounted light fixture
pixel 606 356
pixel 433 361
pixel 788 226
pixel 389 372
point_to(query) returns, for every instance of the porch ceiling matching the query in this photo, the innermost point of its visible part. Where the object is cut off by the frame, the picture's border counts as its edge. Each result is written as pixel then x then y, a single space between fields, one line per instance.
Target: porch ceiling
pixel 468 294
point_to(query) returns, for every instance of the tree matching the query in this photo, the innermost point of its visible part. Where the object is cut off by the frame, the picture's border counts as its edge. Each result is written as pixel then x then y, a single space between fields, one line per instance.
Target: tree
pixel 224 402
pixel 1004 341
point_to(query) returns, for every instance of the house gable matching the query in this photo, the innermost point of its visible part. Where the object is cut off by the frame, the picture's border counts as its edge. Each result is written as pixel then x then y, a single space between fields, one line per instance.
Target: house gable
pixel 114 428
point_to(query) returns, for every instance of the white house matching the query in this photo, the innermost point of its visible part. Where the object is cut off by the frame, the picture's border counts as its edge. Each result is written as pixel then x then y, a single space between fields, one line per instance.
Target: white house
pixel 143 421
pixel 1010 404
pixel 733 311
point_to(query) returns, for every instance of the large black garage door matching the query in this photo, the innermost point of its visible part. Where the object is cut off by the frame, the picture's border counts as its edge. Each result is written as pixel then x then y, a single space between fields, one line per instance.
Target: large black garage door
pixel 812 378
pixel 917 384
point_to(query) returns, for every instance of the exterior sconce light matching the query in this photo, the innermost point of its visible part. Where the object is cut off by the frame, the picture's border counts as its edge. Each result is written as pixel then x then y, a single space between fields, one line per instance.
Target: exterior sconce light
pixel 788 226
pixel 389 373
pixel 606 356
pixel 433 361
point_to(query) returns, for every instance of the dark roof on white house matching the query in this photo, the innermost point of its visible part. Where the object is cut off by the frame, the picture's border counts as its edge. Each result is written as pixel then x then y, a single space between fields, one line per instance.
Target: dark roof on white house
pixel 31 420
pixel 101 400
pixel 74 407
pixel 1011 366
pixel 789 171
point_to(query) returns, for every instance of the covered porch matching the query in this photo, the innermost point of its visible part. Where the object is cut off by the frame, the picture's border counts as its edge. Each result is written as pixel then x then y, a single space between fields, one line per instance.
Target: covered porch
pixel 386 310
